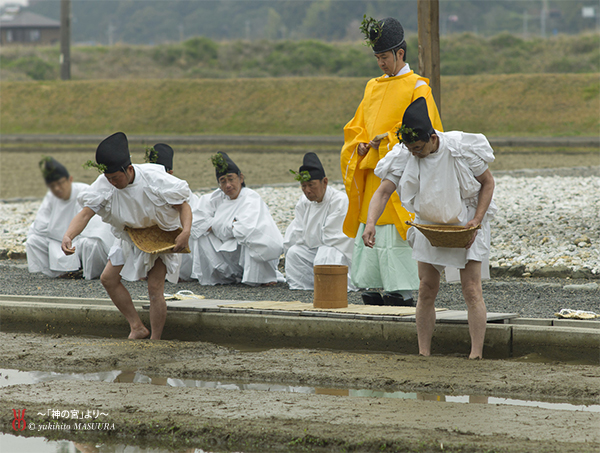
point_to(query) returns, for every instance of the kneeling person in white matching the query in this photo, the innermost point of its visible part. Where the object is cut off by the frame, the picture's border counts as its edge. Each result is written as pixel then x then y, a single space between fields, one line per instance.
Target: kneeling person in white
pixel 52 220
pixel 442 177
pixel 135 196
pixel 315 236
pixel 234 237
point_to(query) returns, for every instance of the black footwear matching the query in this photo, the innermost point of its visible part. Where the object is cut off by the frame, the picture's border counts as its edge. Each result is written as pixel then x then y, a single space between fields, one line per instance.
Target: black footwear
pixel 73 275
pixel 395 299
pixel 372 298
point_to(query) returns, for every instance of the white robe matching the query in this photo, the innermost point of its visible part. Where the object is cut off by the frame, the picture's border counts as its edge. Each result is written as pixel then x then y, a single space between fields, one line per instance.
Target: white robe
pixel 147 201
pixel 442 188
pixel 315 237
pixel 187 259
pixel 43 246
pixel 234 240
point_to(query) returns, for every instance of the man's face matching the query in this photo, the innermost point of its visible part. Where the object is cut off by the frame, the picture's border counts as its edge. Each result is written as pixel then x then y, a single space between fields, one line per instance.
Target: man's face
pixel 120 179
pixel 61 188
pixel 315 189
pixel 387 63
pixel 231 184
pixel 423 149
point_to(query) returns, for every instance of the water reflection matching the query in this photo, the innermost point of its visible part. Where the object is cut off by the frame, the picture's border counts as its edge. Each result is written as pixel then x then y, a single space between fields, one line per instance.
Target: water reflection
pixel 16 377
pixel 11 444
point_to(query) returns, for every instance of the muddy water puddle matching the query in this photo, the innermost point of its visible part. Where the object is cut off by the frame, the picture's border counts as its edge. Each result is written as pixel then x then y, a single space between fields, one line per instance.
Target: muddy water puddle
pixel 12 444
pixel 17 377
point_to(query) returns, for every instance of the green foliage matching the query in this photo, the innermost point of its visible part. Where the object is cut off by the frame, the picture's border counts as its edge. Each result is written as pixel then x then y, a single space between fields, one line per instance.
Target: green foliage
pixel 150 156
pixel 197 51
pixel 201 49
pixel 91 164
pixel 371 29
pixel 409 132
pixel 202 58
pixel 301 176
pixel 33 66
pixel 42 165
pixel 219 162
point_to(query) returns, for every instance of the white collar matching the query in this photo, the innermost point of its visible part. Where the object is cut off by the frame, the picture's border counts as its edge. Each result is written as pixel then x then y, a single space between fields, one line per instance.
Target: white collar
pixel 405 70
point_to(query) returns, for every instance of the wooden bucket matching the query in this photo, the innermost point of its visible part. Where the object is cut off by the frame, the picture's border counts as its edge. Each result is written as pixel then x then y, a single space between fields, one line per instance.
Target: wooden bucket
pixel 331 286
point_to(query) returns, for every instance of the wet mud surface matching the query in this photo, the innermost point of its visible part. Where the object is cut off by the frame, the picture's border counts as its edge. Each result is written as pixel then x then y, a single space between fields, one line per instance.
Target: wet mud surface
pixel 220 419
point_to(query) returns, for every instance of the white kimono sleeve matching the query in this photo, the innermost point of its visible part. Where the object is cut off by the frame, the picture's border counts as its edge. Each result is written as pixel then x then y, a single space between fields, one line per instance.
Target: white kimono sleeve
pixel 41 223
pixel 97 197
pixel 255 228
pixel 392 166
pixel 294 233
pixel 203 213
pixel 333 235
pixel 162 188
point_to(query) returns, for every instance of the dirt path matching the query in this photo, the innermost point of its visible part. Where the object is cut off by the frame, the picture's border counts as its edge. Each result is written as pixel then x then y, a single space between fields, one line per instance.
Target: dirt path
pixel 250 420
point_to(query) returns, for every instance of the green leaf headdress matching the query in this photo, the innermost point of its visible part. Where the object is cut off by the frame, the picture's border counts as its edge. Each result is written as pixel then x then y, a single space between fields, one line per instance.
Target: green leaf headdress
pixel 371 28
pixel 91 164
pixel 151 155
pixel 301 176
pixel 219 162
pixel 43 168
pixel 410 134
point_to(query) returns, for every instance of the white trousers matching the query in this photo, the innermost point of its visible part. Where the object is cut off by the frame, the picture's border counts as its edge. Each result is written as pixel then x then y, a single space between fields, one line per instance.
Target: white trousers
pixel 299 262
pixel 211 267
pixel 46 256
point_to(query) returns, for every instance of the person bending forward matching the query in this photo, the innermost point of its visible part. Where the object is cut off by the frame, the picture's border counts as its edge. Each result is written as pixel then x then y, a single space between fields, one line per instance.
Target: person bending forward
pixel 444 179
pixel 137 196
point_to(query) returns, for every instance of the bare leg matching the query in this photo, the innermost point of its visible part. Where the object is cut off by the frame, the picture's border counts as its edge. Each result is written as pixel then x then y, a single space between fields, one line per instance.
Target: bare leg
pixel 470 278
pixel 156 293
pixel 429 286
pixel 111 280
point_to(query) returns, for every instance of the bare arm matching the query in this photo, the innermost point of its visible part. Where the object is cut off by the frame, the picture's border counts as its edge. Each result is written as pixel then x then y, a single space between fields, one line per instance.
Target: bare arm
pixel 376 207
pixel 185 216
pixel 485 197
pixel 483 203
pixel 76 226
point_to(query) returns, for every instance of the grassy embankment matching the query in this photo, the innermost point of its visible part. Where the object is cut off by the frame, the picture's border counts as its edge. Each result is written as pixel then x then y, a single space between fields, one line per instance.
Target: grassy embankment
pixel 496 105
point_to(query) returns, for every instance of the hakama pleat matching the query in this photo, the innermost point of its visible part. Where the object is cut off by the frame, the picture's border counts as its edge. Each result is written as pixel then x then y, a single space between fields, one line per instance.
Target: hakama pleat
pixel 388 265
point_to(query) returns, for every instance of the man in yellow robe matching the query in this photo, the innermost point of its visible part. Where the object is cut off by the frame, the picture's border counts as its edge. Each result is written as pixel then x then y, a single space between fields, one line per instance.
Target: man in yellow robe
pixel 367 138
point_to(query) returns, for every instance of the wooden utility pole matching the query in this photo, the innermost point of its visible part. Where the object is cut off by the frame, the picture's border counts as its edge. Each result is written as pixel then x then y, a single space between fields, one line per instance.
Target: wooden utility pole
pixel 429 46
pixel 65 39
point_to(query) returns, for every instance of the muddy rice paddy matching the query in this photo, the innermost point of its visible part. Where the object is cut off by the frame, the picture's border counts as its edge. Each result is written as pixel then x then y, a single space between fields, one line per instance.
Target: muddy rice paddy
pixel 227 419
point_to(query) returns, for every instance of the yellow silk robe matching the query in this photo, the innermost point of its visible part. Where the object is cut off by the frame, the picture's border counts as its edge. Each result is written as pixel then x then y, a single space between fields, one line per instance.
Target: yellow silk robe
pixel 381 110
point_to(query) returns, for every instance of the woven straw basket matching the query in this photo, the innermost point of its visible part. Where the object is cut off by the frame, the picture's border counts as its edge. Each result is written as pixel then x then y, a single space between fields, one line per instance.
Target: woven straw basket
pixel 446 235
pixel 154 240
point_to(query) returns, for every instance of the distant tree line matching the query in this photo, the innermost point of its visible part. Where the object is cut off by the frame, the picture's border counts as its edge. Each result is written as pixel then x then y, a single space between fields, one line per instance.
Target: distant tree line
pixel 200 57
pixel 161 21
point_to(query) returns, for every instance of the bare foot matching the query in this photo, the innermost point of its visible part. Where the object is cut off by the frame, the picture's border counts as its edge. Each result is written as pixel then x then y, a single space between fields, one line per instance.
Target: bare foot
pixel 477 357
pixel 139 334
pixel 269 284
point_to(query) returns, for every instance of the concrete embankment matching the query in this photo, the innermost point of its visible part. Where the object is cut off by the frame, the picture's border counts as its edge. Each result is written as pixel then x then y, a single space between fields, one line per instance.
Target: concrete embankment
pixel 225 322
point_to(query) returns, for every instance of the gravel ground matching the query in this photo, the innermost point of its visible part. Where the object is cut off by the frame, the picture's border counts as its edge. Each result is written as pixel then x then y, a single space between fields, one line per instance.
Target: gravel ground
pixel 528 297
